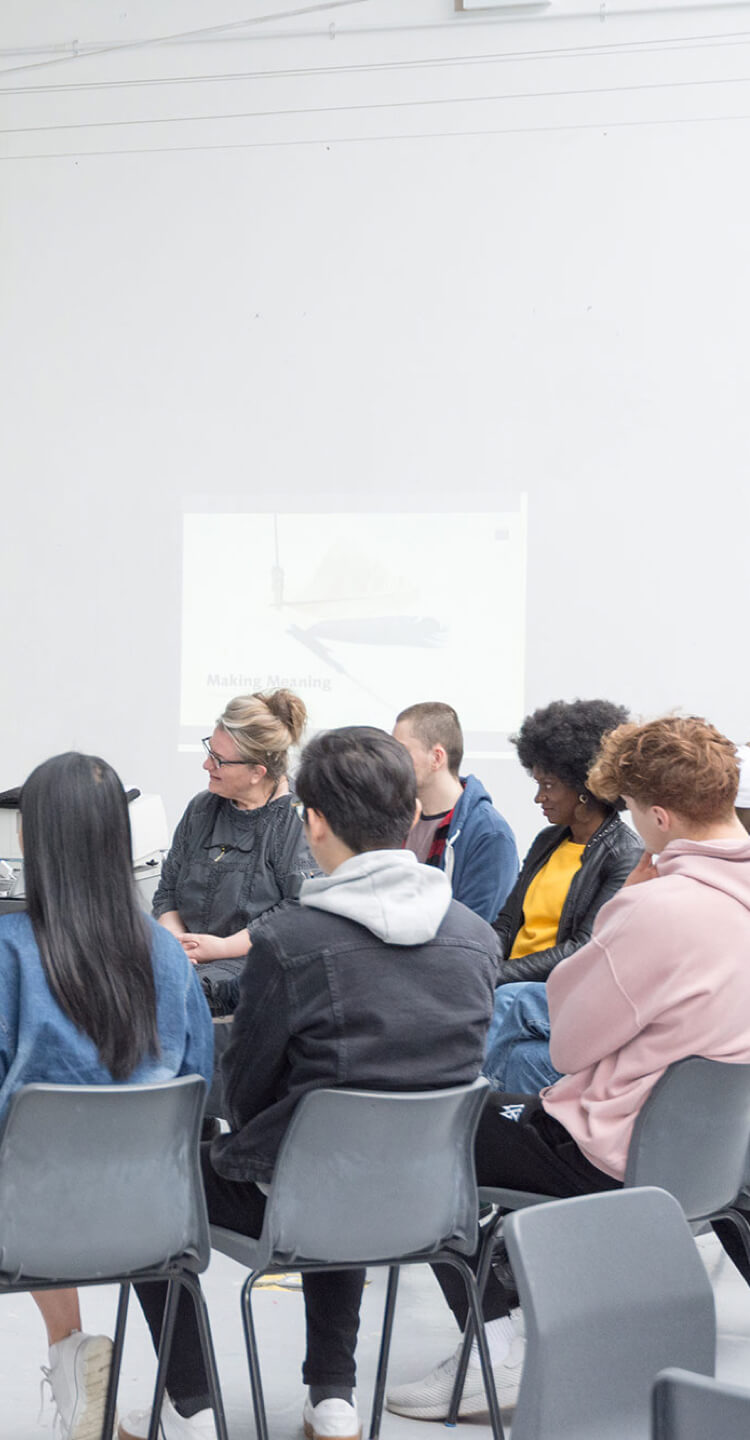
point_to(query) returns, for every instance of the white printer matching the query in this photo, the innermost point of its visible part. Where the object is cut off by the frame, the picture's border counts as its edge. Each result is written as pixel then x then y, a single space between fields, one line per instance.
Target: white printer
pixel 150 840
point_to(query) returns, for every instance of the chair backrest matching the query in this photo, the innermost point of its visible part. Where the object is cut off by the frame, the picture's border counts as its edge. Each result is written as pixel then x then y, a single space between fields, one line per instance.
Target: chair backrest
pixel 101 1180
pixel 695 1407
pixel 369 1176
pixel 612 1290
pixel 692 1135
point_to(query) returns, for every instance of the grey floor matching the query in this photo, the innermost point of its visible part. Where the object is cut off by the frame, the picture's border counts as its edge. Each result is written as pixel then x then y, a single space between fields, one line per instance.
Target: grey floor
pixel 424 1334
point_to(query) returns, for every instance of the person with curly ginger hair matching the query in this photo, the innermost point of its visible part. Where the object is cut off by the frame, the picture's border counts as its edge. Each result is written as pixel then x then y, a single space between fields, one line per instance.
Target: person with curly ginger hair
pixel 575 864
pixel 665 975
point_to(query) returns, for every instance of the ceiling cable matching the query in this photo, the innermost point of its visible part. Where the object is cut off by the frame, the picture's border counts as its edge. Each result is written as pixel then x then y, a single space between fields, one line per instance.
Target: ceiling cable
pixel 714 40
pixel 331 141
pixel 378 105
pixel 203 34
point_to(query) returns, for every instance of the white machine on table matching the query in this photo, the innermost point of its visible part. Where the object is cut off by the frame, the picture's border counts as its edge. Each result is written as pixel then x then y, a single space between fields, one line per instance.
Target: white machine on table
pixel 150 836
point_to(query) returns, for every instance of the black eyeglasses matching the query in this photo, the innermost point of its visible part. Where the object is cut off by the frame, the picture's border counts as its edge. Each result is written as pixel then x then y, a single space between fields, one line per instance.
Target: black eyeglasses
pixel 206 743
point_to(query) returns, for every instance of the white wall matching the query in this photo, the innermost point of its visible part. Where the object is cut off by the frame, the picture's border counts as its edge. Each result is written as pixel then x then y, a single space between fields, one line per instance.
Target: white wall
pixel 533 280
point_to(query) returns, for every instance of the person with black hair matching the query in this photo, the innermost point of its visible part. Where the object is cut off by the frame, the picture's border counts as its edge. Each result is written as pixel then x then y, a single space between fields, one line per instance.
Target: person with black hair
pixel 92 992
pixel 377 980
pixel 574 865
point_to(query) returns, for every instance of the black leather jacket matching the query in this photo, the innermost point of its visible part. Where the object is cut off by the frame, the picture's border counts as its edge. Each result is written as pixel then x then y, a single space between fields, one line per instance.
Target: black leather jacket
pixel 608 859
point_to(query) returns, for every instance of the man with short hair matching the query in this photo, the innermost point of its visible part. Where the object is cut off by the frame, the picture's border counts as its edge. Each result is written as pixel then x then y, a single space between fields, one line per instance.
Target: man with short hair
pixel 376 980
pixel 459 830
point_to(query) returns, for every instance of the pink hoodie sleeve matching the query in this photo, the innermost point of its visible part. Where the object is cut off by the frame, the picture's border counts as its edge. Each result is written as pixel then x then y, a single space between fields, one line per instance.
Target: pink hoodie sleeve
pixel 591 1015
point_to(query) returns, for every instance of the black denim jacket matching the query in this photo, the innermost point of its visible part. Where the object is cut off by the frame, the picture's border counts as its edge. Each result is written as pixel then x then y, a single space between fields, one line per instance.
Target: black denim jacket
pixel 226 869
pixel 323 1001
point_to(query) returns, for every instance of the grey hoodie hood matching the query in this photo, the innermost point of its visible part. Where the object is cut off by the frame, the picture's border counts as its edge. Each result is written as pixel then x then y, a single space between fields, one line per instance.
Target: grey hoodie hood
pixel 388 892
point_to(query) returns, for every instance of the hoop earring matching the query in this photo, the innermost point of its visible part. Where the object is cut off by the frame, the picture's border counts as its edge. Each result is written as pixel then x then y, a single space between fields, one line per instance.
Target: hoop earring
pixel 584 799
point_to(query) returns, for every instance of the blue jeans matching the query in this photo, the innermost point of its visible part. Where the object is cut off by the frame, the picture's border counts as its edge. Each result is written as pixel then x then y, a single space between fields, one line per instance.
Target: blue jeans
pixel 517 1056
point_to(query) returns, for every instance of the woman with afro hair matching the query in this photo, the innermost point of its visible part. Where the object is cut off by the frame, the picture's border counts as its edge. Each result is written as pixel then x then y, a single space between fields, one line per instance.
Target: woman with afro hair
pixel 580 859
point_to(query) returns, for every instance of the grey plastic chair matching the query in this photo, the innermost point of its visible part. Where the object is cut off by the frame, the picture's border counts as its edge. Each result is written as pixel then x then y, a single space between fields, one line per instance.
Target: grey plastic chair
pixel 393 1184
pixel 694 1407
pixel 613 1290
pixel 101 1185
pixel 691 1138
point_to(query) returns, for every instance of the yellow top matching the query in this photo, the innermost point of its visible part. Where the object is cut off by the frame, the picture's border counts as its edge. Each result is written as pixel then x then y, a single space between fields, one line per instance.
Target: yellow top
pixel 544 900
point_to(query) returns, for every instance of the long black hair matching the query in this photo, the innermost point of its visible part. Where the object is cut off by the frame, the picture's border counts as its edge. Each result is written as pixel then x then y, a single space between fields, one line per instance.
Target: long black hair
pixel 92 935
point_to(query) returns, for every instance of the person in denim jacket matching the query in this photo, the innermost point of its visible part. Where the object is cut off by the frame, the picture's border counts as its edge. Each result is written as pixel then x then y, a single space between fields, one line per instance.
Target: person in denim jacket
pixel 92 992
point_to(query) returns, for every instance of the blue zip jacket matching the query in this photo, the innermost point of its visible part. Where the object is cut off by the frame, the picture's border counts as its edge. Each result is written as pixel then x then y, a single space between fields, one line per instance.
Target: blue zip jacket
pixel 38 1042
pixel 480 856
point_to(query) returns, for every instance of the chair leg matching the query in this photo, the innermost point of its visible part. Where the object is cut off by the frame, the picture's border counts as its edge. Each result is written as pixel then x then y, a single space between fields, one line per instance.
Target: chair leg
pixel 253 1359
pixel 483 1269
pixel 209 1355
pixel 475 1311
pixel 165 1346
pixel 740 1223
pixel 114 1373
pixel 385 1350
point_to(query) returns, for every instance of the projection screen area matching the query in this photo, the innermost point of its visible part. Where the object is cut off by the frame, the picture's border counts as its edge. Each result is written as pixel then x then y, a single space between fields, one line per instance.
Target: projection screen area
pixel 275 384
pixel 359 613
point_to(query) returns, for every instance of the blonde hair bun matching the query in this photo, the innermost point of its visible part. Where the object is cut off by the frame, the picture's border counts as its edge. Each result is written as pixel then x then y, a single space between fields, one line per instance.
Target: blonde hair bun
pixel 290 709
pixel 264 727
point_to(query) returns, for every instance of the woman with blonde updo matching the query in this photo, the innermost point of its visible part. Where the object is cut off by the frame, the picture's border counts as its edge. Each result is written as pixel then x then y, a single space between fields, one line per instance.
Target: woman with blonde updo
pixel 239 850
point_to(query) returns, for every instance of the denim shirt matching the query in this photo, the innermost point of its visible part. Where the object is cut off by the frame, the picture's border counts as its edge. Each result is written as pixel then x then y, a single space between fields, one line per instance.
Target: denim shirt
pixel 38 1041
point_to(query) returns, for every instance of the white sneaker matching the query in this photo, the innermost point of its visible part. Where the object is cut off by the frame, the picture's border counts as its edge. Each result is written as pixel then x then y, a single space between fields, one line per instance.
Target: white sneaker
pixel 430 1398
pixel 173 1426
pixel 78 1376
pixel 331 1420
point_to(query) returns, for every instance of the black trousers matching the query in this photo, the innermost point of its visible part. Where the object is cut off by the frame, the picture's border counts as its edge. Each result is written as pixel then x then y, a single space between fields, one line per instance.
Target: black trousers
pixel 520 1147
pixel 332 1301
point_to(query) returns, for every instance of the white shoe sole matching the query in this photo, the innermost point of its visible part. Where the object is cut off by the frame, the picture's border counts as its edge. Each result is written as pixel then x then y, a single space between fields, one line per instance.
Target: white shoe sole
pixel 122 1434
pixel 312 1434
pixel 507 1379
pixel 476 1405
pixel 95 1367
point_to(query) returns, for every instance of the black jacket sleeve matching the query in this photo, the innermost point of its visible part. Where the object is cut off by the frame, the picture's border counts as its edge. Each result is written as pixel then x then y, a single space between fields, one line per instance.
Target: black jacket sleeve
pixel 164 897
pixel 255 1060
pixel 292 863
pixel 539 963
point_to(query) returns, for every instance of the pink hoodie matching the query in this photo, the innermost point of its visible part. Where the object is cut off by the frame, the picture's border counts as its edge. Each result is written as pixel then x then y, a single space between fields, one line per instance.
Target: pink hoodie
pixel 666 974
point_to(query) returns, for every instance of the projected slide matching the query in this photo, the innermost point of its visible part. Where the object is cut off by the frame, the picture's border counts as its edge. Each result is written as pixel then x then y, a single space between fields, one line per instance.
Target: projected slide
pixel 361 614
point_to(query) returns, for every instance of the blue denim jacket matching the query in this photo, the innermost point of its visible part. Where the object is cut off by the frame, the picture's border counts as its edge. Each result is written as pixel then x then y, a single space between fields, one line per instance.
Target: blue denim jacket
pixel 38 1042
